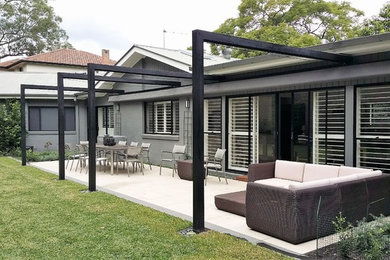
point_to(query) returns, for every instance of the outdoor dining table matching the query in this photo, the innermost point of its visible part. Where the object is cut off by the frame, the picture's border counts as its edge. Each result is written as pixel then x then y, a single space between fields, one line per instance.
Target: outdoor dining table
pixel 112 149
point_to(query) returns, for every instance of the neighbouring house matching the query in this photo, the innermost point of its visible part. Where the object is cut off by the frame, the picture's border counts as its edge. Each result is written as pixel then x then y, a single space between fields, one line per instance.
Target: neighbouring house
pixel 41 105
pixel 269 107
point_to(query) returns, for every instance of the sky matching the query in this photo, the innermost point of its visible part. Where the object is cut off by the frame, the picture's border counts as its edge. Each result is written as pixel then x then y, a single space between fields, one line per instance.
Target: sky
pixel 118 24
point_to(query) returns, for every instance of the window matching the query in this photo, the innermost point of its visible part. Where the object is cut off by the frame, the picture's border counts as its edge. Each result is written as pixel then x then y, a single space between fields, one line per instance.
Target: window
pixel 162 117
pixel 108 117
pixel 46 119
pixel 328 126
pixel 373 127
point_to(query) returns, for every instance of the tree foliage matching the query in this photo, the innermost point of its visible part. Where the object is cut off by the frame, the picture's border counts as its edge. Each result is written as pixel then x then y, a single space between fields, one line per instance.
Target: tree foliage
pixel 29 27
pixel 291 22
pixel 9 126
pixel 377 24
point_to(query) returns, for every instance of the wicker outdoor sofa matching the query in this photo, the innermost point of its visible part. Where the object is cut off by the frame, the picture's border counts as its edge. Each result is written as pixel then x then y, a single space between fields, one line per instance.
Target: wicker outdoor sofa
pixel 297 202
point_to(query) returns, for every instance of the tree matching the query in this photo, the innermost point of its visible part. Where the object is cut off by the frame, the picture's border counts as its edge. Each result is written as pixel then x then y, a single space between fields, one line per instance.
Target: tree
pixel 377 24
pixel 291 22
pixel 29 27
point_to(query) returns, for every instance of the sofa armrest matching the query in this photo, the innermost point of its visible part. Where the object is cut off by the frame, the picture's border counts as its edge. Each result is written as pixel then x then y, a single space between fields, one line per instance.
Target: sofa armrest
pixel 259 171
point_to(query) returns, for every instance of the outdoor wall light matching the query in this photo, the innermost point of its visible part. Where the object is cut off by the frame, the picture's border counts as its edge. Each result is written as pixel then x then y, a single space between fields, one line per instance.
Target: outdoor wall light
pixel 187 103
pixel 118 107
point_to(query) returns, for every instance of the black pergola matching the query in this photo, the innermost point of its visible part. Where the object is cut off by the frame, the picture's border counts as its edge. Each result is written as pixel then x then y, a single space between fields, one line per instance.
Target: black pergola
pixel 198 79
pixel 199 37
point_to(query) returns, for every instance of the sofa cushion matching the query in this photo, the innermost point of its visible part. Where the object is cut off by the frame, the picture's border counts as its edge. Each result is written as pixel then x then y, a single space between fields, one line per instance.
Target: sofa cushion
pixel 309 184
pixel 317 172
pixel 364 175
pixel 344 179
pixel 276 182
pixel 346 170
pixel 287 170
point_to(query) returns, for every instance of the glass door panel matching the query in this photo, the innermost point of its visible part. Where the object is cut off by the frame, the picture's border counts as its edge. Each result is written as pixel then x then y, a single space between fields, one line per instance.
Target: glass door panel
pixel 300 127
pixel 266 125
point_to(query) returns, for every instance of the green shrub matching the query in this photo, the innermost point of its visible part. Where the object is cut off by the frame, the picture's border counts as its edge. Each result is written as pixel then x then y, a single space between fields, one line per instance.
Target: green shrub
pixel 38 156
pixel 370 240
pixel 10 137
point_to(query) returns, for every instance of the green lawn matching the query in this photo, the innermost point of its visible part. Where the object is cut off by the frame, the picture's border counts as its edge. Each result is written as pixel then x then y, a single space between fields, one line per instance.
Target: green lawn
pixel 43 218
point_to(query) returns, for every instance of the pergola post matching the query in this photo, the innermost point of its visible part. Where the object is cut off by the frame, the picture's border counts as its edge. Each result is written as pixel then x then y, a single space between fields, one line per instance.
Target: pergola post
pixel 198 132
pixel 92 132
pixel 23 123
pixel 61 127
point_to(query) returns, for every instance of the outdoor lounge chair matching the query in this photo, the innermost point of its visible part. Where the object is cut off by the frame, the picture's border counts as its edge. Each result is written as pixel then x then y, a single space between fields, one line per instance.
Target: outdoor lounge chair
pixel 215 163
pixel 176 152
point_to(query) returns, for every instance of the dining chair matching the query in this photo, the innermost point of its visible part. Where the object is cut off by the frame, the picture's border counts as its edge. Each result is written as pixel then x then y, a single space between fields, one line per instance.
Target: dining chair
pixel 215 163
pixel 134 156
pixel 82 156
pixel 174 155
pixel 133 144
pixel 145 151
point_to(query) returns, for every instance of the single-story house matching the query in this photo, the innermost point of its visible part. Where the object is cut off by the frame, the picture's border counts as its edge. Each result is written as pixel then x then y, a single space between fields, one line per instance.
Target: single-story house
pixel 268 107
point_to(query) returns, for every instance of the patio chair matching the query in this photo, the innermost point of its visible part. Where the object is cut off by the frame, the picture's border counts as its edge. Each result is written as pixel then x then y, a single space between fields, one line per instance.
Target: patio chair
pixel 145 150
pixel 134 156
pixel 79 152
pixel 177 151
pixel 133 144
pixel 215 163
pixel 83 158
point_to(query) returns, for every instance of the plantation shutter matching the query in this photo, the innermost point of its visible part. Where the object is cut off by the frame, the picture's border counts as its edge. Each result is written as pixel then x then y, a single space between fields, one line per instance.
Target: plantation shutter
pixel 160 114
pixel 373 128
pixel 149 118
pixel 212 125
pixel 238 133
pixel 328 126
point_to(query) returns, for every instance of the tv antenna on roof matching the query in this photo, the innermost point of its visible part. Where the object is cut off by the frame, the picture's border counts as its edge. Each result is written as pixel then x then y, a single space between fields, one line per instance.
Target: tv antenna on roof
pixel 165 32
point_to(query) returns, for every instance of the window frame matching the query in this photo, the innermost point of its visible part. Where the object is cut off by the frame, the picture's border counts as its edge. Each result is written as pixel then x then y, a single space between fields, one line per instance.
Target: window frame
pixel 67 108
pixel 174 117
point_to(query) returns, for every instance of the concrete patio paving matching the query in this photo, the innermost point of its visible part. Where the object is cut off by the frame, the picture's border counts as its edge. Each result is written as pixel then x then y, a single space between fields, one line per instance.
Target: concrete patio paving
pixel 174 196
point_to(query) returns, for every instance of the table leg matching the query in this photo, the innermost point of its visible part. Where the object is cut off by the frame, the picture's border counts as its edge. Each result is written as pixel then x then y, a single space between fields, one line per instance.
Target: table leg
pixel 112 162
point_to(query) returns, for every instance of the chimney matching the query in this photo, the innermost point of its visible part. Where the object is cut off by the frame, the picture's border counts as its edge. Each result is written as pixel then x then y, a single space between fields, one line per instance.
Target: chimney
pixel 105 55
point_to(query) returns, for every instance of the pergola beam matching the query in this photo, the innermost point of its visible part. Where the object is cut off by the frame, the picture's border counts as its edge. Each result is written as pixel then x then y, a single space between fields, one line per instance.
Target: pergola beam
pixel 138 71
pixel 83 76
pixel 234 41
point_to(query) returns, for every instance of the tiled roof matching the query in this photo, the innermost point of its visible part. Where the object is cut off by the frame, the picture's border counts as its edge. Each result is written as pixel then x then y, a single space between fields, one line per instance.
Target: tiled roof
pixel 62 56
pixel 8 63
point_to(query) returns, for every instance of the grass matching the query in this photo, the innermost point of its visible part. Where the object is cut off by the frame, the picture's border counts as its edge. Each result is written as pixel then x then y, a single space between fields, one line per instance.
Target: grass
pixel 43 218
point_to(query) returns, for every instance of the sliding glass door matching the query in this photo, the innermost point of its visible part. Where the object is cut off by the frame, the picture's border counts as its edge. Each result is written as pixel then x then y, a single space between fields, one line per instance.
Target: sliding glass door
pixel 251 136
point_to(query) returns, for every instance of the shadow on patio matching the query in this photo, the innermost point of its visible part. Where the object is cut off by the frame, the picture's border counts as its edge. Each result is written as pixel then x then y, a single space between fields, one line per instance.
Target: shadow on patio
pixel 174 197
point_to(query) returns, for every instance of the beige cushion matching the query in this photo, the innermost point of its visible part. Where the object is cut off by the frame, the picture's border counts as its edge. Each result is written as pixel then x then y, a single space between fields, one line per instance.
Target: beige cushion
pixel 275 182
pixel 309 184
pixel 368 174
pixel 346 170
pixel 344 179
pixel 317 172
pixel 287 170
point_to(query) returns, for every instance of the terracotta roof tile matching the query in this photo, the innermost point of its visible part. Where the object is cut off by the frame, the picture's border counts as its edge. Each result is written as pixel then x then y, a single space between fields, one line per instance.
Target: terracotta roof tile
pixel 63 56
pixel 8 63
